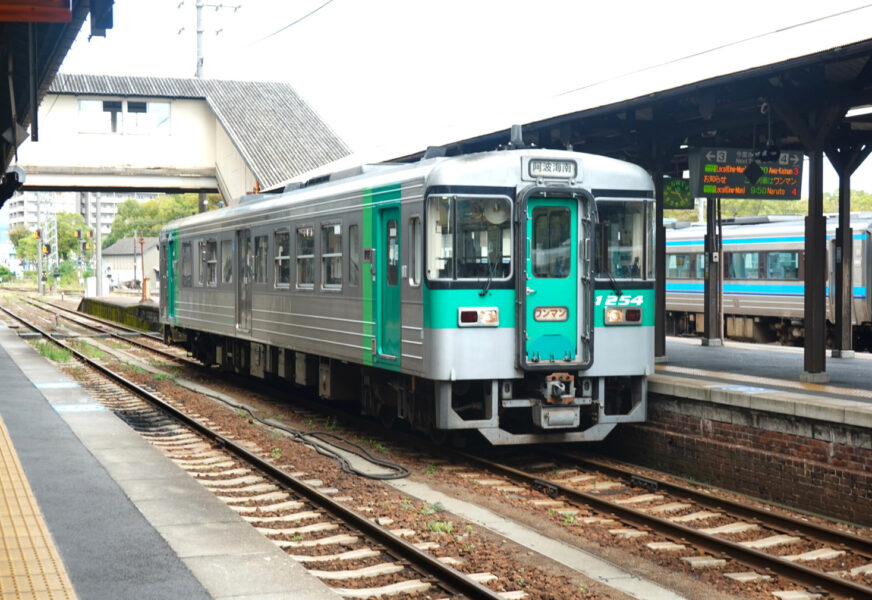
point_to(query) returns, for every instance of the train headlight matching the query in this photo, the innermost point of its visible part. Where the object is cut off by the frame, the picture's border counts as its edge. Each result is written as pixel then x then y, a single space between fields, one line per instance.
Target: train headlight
pixel 623 316
pixel 478 317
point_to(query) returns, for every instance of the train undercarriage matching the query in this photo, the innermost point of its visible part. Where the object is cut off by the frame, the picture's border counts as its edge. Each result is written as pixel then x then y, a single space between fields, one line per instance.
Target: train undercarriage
pixel 763 330
pixel 540 408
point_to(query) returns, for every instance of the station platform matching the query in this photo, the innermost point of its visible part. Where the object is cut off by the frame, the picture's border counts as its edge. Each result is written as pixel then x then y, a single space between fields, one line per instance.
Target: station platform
pixel 126 309
pixel 90 510
pixel 766 378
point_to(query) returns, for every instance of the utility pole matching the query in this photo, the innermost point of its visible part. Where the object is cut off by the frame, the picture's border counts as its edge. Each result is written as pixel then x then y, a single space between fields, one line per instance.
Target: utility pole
pixel 200 5
pixel 40 285
pixel 199 72
pixel 134 259
pixel 99 249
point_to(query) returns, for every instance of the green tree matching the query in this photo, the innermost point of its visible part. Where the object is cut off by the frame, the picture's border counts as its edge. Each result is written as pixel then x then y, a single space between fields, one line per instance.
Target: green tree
pixel 18 232
pixel 26 248
pixel 149 217
pixel 68 244
pixel 860 201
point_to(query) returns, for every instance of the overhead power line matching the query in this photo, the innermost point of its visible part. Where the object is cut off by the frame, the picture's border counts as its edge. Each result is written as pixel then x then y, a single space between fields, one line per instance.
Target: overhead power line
pixel 289 25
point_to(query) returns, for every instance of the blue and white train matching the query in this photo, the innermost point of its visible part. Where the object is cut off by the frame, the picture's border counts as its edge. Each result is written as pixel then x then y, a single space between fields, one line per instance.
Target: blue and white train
pixel 764 275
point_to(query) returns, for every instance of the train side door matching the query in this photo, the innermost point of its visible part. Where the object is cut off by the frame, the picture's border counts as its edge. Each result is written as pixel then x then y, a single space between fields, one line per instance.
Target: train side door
pixel 550 295
pixel 387 276
pixel 244 266
pixel 169 271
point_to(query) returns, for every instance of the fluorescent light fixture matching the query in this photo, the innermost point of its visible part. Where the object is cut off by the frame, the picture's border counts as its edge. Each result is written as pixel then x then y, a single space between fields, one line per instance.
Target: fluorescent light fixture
pixel 858 111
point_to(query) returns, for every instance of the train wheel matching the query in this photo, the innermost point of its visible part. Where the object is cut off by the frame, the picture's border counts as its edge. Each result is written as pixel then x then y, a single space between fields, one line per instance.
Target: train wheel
pixel 387 416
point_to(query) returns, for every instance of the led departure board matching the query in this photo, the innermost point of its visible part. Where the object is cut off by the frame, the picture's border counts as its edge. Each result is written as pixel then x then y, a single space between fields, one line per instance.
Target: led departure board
pixel 734 173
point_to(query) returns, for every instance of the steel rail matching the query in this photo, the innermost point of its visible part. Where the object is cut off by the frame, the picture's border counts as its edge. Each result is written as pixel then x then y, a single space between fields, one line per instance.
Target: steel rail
pixel 856 543
pixel 147 334
pixel 754 558
pixel 113 334
pixel 454 580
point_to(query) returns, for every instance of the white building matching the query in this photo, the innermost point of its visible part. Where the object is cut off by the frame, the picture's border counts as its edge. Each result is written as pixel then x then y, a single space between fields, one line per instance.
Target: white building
pixel 25 208
pixel 123 261
pixel 125 134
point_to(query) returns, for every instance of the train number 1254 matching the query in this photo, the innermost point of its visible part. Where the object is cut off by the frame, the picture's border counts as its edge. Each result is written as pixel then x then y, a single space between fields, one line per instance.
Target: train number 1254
pixel 622 300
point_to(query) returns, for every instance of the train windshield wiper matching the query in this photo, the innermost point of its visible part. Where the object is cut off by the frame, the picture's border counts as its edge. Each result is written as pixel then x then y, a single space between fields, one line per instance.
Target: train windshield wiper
pixel 618 291
pixel 492 266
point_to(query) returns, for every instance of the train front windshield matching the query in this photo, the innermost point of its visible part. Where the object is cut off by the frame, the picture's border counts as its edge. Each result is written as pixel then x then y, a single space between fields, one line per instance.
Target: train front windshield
pixel 470 237
pixel 625 240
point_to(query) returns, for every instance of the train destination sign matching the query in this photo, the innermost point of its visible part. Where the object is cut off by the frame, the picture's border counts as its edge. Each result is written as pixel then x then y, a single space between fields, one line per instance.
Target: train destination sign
pixel 734 173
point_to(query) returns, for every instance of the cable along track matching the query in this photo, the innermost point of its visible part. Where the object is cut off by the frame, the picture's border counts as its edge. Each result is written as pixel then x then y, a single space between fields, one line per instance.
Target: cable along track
pixel 298 514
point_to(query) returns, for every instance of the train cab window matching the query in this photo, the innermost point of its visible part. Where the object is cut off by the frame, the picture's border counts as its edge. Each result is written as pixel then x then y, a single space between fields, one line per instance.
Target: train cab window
pixel 621 235
pixel 551 250
pixel 416 264
pixel 187 265
pixel 482 246
pixel 261 249
pixel 305 257
pixel 353 255
pixel 742 265
pixel 283 258
pixel 209 267
pixel 226 261
pixel 331 257
pixel 678 266
pixel 782 265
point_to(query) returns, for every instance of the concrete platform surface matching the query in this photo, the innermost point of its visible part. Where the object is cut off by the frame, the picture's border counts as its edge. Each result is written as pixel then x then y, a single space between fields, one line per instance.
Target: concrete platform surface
pixel 126 521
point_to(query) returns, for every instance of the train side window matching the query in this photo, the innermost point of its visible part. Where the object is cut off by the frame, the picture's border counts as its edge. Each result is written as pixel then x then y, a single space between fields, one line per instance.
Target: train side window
pixel 305 257
pixel 440 242
pixel 678 266
pixel 209 269
pixel 331 257
pixel 416 263
pixel 261 249
pixel 226 261
pixel 782 265
pixel 699 265
pixel 282 238
pixel 201 267
pixel 187 265
pixel 353 255
pixel 742 265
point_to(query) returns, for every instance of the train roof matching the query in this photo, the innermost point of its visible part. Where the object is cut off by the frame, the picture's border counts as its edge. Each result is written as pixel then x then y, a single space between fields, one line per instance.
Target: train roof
pixel 502 168
pixel 769 226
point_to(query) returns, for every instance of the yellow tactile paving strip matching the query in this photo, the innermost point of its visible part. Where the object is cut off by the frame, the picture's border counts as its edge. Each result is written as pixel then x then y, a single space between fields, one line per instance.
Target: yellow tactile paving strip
pixel 29 563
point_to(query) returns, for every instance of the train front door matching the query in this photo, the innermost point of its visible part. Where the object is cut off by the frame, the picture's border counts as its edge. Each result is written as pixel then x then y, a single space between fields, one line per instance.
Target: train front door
pixel 244 266
pixel 551 290
pixel 388 304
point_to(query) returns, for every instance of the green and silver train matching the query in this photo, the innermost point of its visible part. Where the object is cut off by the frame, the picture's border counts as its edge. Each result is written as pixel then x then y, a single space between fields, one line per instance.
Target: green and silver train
pixel 509 292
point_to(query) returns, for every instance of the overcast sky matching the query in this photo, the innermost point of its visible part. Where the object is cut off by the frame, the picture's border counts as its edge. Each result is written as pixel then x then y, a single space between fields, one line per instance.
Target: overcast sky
pixel 382 72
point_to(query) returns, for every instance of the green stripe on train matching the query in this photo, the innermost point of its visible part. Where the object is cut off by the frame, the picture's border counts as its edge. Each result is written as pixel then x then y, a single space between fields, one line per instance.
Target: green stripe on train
pixel 441 306
pixel 366 283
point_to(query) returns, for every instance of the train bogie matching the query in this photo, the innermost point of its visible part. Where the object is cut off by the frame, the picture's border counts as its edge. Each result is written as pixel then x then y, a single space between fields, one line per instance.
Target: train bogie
pixel 509 293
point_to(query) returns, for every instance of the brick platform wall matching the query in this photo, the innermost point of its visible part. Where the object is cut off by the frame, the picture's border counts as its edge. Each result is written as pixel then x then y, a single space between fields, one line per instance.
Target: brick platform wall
pixel 816 467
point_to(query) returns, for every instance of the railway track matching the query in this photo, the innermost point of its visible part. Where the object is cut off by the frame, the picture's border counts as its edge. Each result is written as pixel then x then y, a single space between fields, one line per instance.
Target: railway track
pixel 696 529
pixel 290 508
pixel 704 531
